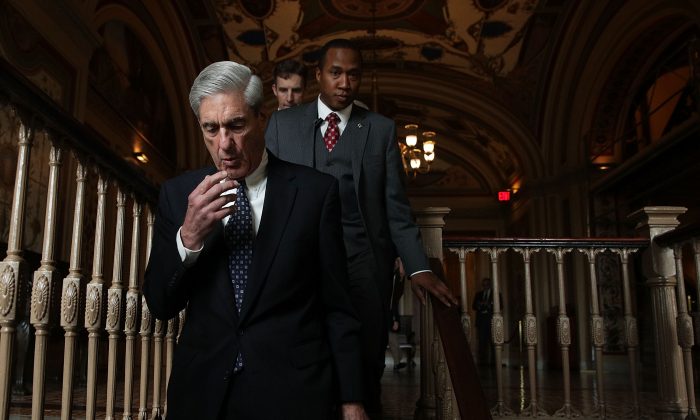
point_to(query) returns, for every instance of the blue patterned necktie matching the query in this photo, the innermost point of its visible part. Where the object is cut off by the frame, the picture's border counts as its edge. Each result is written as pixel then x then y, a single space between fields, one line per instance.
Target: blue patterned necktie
pixel 239 237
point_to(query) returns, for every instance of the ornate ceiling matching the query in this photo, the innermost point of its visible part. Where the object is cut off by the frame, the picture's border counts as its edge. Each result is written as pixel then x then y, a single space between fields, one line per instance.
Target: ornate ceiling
pixel 457 67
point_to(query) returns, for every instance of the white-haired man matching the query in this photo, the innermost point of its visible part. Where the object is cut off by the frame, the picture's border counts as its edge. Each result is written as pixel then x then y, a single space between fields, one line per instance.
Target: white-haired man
pixel 252 247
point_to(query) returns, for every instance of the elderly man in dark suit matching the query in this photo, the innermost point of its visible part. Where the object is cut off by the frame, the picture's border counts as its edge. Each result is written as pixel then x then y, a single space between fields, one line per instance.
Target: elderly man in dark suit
pixel 253 248
pixel 359 148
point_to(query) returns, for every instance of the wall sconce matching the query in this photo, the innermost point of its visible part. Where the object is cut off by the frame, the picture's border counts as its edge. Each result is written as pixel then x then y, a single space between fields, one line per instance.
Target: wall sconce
pixel 141 157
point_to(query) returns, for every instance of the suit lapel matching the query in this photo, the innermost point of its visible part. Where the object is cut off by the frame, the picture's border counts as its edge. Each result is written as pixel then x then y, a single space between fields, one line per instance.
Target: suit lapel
pixel 356 132
pixel 279 200
pixel 307 130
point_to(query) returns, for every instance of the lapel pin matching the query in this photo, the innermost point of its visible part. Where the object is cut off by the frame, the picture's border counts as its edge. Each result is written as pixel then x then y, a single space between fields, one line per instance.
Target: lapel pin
pixel 359 125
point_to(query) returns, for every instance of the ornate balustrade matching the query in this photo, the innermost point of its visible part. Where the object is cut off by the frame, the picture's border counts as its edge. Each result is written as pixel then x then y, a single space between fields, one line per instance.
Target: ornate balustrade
pixel 657 251
pixel 95 207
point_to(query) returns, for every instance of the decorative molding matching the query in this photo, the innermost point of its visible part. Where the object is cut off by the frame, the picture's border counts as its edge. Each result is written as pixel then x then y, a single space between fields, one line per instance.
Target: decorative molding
pixel 497 329
pixel 114 299
pixel 40 298
pixel 597 331
pixel 530 330
pixel 131 309
pixel 69 302
pixel 93 305
pixel 564 330
pixel 8 290
pixel 145 317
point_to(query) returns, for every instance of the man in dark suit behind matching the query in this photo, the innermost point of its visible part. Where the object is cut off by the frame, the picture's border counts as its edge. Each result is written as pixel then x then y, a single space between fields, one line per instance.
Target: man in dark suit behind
pixel 270 331
pixel 359 148
pixel 483 307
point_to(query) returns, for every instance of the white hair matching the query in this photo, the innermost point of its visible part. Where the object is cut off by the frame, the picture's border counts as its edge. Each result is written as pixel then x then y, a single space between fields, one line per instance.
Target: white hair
pixel 227 76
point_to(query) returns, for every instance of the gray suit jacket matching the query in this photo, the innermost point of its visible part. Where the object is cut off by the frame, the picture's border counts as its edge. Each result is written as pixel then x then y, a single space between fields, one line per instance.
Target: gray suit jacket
pixel 377 172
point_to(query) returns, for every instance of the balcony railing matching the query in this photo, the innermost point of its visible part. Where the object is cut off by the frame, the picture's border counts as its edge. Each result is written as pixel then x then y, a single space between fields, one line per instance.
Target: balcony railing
pixel 67 207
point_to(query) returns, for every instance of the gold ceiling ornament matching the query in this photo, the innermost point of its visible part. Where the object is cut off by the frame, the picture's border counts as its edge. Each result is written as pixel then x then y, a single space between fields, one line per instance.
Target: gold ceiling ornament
pixel 415 157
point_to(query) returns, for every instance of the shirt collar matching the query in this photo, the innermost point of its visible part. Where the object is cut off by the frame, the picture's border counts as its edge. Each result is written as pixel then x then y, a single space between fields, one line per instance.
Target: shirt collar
pixel 323 111
pixel 257 176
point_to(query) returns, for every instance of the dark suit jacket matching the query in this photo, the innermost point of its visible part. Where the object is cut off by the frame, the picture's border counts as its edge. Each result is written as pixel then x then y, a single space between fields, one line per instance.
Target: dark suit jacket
pixel 377 173
pixel 296 330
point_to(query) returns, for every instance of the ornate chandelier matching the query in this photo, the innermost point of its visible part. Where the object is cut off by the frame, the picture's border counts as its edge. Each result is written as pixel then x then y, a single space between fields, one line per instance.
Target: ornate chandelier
pixel 416 159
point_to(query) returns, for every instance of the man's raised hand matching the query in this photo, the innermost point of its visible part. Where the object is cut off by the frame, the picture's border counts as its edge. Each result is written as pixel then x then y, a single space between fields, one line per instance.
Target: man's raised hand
pixel 205 208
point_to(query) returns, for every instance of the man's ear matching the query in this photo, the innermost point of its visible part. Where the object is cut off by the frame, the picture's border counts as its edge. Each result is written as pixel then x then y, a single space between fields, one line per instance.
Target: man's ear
pixel 318 74
pixel 274 88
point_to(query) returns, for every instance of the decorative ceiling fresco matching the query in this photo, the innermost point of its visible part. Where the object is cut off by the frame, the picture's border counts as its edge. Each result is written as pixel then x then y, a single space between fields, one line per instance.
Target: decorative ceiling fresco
pixel 474 42
pixel 481 38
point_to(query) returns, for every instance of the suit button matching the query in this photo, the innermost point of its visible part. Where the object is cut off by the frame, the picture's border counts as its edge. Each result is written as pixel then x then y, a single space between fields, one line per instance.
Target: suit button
pixel 227 374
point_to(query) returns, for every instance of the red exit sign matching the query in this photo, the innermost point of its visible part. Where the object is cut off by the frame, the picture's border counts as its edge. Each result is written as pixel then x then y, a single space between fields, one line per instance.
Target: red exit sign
pixel 504 196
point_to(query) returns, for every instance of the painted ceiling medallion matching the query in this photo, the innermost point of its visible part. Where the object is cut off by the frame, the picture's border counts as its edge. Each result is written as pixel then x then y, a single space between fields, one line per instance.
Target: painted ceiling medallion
pixel 361 10
pixel 258 9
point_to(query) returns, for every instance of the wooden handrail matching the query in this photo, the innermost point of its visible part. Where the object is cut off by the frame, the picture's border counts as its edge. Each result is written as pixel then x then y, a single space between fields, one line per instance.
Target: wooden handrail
pixel 465 378
pixel 456 242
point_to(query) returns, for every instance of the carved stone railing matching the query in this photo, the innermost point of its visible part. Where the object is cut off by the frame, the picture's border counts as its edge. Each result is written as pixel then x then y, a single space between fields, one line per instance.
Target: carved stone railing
pixel 86 190
pixel 673 330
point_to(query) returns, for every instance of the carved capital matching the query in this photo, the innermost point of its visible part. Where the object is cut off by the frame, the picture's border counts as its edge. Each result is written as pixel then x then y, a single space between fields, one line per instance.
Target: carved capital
pixel 55 155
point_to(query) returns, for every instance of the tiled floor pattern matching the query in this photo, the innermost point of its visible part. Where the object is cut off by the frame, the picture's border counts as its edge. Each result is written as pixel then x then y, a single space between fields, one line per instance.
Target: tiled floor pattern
pixel 401 390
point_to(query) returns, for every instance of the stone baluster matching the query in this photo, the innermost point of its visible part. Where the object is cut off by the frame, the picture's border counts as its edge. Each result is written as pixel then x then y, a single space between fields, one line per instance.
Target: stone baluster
pixel 431 221
pixel 631 331
pixel 157 413
pixel 13 269
pixel 497 332
pixel 114 305
pixel 42 287
pixel 169 351
pixel 145 332
pixel 597 331
pixel 564 335
pixel 684 325
pixel 463 292
pixel 70 296
pixel 659 269
pixel 696 313
pixel 530 321
pixel 93 299
pixel 131 312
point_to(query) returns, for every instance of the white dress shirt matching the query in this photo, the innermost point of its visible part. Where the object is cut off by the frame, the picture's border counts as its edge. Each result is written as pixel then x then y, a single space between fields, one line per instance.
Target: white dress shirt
pixel 323 112
pixel 256 185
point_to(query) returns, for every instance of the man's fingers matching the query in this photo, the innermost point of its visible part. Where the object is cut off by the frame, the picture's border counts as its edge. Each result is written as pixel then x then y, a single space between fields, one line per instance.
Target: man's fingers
pixel 209 181
pixel 418 291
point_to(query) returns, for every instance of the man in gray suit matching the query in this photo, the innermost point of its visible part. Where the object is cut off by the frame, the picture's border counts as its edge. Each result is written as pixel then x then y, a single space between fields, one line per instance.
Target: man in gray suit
pixel 359 148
